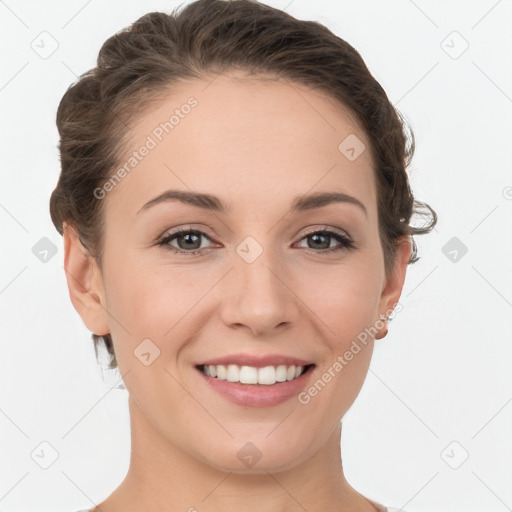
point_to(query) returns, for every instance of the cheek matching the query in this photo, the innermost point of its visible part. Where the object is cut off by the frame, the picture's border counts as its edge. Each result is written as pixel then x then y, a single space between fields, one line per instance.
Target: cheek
pixel 133 303
pixel 154 302
pixel 348 309
pixel 346 299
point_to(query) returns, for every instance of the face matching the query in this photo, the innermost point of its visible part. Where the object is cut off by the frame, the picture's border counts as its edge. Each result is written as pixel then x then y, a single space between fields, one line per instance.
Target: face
pixel 259 270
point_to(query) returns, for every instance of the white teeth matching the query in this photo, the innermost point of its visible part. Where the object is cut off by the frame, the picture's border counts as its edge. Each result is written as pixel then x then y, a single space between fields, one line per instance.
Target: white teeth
pixel 251 375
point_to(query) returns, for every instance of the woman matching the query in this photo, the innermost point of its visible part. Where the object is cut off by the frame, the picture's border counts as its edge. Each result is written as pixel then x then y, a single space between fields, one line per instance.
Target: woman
pixel 263 143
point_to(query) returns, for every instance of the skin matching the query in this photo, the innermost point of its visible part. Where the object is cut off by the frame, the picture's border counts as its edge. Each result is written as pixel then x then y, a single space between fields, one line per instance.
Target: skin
pixel 255 143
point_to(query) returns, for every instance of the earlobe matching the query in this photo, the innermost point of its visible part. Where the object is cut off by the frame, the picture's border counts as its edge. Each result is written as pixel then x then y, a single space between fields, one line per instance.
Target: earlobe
pixel 382 325
pixel 394 284
pixel 85 284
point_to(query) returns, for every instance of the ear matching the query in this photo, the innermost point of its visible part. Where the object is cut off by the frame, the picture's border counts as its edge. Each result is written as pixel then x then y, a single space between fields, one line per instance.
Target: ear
pixel 85 283
pixel 394 282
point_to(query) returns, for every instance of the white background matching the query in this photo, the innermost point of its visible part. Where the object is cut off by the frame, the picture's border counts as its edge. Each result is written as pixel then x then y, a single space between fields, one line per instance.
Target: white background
pixel 443 373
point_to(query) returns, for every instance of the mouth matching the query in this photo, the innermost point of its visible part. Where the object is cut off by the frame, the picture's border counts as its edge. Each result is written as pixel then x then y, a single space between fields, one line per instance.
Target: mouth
pixel 255 376
pixel 256 386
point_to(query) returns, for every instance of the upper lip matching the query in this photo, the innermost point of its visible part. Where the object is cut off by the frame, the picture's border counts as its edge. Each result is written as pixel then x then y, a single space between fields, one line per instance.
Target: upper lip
pixel 258 361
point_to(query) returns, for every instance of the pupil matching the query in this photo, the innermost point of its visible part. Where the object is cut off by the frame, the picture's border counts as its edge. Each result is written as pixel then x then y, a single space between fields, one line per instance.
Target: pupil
pixel 315 238
pixel 188 238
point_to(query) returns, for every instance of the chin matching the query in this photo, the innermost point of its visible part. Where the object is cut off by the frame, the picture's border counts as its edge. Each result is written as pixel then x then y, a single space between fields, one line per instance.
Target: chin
pixel 256 455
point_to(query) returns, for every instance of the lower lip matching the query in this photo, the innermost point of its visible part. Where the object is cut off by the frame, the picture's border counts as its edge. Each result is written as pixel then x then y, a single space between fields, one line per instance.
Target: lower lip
pixel 258 395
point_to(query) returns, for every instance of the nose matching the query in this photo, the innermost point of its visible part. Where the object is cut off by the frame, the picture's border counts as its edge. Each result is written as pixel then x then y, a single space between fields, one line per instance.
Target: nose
pixel 259 296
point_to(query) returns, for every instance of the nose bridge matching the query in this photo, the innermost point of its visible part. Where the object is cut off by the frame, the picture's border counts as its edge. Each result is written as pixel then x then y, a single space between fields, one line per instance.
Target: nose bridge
pixel 259 297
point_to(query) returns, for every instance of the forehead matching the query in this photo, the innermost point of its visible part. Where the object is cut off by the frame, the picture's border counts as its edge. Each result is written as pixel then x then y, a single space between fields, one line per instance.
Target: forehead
pixel 249 139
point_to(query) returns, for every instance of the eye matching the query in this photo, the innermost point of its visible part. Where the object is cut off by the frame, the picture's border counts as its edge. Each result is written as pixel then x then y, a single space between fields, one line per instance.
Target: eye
pixel 188 241
pixel 321 240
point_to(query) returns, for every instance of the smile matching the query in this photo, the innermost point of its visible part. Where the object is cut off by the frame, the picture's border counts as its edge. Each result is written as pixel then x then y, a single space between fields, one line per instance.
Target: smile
pixel 267 375
pixel 252 386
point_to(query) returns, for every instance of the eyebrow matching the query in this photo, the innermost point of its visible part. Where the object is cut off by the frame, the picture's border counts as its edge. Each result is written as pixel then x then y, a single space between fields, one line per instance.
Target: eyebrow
pixel 213 203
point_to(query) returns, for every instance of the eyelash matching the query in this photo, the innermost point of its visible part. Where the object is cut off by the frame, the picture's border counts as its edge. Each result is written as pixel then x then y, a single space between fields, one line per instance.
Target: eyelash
pixel 345 241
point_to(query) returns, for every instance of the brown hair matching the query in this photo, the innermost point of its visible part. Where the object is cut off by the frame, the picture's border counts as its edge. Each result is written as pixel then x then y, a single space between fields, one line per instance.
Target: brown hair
pixel 138 64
